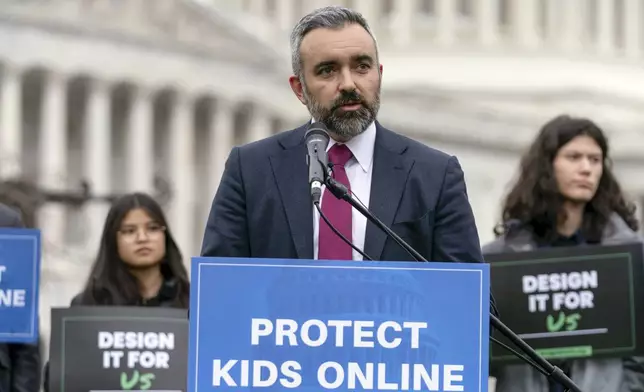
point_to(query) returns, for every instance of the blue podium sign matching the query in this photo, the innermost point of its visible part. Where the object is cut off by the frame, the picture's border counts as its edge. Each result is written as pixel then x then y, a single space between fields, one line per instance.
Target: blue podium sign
pixel 19 285
pixel 318 325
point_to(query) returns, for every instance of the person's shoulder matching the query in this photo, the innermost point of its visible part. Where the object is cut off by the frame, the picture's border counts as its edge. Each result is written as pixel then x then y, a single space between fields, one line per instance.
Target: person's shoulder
pixel 413 148
pixel 6 210
pixel 77 300
pixel 9 217
pixel 510 235
pixel 495 246
pixel 268 146
pixel 617 231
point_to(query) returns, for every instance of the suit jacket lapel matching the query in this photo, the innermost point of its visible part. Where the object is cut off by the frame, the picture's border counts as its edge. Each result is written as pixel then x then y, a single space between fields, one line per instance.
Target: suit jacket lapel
pixel 291 175
pixel 388 179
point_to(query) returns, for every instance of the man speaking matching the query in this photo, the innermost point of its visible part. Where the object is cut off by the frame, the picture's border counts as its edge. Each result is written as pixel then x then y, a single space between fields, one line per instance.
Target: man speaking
pixel 263 206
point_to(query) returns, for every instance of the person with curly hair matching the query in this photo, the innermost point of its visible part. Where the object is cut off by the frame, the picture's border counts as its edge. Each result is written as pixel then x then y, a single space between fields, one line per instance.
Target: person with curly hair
pixel 566 195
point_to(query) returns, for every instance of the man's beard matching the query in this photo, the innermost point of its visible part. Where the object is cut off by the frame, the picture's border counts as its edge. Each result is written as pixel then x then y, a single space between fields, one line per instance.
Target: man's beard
pixel 344 124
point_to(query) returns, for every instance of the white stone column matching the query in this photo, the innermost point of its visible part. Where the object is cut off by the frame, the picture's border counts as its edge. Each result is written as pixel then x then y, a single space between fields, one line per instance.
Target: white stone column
pixel 257 7
pixel 97 155
pixel 403 22
pixel 263 23
pixel 446 14
pixel 487 15
pixel 605 26
pixel 182 208
pixel 10 122
pixel 285 12
pixel 552 22
pixel 315 4
pixel 53 155
pixel 221 138
pixel 259 124
pixel 525 22
pixel 368 9
pixel 140 142
pixel 632 27
pixel 572 24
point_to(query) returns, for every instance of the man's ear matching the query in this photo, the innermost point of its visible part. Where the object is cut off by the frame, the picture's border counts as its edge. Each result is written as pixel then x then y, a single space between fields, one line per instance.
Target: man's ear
pixel 296 86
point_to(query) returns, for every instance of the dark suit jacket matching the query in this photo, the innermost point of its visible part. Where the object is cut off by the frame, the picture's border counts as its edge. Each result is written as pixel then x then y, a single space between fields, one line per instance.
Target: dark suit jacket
pixel 263 205
pixel 19 363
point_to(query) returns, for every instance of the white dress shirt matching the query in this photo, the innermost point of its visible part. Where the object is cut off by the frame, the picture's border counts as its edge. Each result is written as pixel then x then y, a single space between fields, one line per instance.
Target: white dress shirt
pixel 359 169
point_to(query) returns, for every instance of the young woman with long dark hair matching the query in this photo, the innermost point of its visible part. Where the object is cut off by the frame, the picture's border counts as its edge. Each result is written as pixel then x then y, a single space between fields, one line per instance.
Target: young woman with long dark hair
pixel 138 262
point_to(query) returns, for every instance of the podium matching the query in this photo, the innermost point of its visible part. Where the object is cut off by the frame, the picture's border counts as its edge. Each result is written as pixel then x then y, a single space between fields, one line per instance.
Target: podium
pixel 340 325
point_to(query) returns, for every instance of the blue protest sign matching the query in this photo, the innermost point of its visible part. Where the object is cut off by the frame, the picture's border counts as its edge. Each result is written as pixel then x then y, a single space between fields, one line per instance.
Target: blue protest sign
pixel 19 284
pixel 283 324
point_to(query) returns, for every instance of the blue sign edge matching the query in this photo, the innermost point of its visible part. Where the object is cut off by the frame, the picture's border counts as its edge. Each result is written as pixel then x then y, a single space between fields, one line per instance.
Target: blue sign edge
pixel 33 335
pixel 484 268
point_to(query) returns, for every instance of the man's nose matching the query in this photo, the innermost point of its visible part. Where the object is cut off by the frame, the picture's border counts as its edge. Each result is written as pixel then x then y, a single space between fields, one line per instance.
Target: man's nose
pixel 346 81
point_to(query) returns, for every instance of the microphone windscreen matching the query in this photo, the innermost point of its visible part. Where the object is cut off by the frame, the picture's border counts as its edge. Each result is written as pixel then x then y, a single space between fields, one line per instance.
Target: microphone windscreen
pixel 317 129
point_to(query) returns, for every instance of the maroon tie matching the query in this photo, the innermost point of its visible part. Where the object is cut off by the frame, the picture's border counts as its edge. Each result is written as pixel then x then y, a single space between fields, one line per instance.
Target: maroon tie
pixel 330 246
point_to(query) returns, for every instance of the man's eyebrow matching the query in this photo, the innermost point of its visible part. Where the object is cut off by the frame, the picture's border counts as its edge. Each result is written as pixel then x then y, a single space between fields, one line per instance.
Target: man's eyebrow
pixel 357 58
pixel 325 63
pixel 363 57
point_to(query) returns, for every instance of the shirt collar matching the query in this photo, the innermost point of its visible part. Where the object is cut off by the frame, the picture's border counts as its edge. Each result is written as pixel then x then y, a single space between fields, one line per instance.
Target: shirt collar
pixel 361 146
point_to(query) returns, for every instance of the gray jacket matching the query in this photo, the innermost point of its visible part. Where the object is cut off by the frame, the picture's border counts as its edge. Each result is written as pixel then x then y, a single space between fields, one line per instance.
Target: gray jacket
pixel 592 375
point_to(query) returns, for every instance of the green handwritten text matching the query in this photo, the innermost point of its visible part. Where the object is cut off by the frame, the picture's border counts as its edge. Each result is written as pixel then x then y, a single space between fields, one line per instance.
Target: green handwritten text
pixel 569 322
pixel 144 381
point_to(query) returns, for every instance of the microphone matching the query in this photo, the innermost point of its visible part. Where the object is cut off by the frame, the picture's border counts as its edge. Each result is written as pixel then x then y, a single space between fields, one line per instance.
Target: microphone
pixel 316 140
pixel 534 359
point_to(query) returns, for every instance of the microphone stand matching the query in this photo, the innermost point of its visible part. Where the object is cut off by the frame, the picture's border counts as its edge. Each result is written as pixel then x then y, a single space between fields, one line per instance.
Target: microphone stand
pixel 341 192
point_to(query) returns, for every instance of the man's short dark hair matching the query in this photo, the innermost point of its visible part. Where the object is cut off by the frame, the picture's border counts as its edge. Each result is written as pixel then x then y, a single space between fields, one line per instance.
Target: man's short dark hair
pixel 331 17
